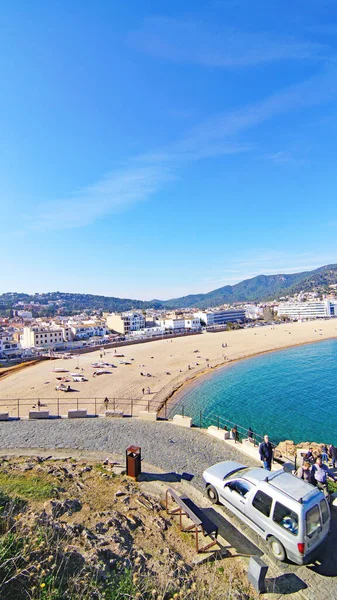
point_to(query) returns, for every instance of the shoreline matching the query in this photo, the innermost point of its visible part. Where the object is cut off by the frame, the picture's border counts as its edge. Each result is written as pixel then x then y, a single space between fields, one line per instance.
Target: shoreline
pixel 152 374
pixel 177 391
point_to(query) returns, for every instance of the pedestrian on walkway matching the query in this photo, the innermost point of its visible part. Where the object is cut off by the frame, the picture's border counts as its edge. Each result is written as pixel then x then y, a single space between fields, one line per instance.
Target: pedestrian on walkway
pixel 143 391
pixel 266 453
pixel 333 455
pixel 321 475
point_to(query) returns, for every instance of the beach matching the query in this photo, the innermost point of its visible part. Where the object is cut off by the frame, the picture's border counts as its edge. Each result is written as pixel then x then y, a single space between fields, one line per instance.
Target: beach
pixel 166 364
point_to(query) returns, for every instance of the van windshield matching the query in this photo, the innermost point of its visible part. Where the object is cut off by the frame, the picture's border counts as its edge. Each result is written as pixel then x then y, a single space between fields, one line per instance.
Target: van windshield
pixel 313 521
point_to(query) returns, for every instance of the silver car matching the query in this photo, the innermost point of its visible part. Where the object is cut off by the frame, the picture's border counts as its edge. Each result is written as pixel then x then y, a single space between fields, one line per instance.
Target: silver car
pixel 291 514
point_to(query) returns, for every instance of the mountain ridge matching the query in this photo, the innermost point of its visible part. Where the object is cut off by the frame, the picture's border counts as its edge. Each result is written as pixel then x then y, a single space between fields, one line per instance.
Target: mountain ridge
pixel 256 289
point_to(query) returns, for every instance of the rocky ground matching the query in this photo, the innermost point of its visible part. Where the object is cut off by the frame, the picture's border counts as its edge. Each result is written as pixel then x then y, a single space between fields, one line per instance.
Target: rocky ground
pixel 74 529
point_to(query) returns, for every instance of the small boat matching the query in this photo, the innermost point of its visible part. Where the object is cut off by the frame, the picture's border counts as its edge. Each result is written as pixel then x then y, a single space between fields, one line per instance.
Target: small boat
pixel 79 378
pixel 60 370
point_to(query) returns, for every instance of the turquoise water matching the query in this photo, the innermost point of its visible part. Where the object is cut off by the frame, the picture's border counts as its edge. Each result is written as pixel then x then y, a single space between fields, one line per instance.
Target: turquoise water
pixel 290 394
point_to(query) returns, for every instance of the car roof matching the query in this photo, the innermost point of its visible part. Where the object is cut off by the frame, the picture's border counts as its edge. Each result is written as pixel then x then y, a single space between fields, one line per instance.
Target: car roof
pixel 285 483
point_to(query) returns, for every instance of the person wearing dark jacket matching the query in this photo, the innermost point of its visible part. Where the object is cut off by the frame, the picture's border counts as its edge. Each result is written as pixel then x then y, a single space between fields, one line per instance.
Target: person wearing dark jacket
pixel 266 453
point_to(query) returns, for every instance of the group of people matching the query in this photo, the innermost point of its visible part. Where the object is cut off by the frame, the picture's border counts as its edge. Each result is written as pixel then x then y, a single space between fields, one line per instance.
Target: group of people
pixel 314 470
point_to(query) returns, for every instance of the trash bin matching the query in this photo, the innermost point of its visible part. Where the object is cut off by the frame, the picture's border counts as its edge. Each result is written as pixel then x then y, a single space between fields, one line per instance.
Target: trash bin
pixel 133 462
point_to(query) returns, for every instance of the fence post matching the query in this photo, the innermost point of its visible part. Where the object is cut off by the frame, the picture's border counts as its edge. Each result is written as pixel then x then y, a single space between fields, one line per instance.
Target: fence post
pixel 200 418
pixel 77 403
pixel 58 407
pixel 95 407
pixel 182 410
pixel 148 406
pixel 18 408
pixel 131 407
pixel 114 403
pixel 218 422
pixel 165 409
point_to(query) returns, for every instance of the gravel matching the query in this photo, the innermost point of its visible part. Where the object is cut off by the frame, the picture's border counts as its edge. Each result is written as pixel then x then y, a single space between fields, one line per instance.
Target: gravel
pixel 167 446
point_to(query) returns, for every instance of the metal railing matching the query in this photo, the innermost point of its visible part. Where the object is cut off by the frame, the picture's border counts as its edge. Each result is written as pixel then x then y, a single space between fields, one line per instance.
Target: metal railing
pixel 18 407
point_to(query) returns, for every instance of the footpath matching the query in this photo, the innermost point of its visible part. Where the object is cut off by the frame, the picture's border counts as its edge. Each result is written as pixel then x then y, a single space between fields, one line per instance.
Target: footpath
pixel 179 456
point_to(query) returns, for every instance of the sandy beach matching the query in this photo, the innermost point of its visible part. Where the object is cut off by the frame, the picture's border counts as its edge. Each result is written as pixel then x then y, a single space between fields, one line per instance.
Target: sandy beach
pixel 171 364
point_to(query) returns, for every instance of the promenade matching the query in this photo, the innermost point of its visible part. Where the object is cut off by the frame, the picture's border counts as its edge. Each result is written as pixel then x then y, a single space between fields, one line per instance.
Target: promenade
pixel 174 450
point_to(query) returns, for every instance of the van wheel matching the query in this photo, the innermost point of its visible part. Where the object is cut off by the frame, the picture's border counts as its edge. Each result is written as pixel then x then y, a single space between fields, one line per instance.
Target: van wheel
pixel 212 494
pixel 277 548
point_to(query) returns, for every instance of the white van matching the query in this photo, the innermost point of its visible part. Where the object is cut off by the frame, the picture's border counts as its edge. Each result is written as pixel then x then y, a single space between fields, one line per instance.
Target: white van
pixel 291 514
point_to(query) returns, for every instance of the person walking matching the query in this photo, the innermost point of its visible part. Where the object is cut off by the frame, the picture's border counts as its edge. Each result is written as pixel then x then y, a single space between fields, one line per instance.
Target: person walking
pixel 106 402
pixel 321 475
pixel 143 391
pixel 266 453
pixel 304 472
pixel 324 454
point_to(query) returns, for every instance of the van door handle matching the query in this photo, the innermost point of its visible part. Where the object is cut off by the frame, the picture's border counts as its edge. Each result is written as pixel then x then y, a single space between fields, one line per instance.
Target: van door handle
pixel 242 502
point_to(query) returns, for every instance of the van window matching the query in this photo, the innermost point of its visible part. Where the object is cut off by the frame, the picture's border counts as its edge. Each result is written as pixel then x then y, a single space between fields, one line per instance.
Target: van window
pixel 241 487
pixel 262 502
pixel 286 518
pixel 324 511
pixel 313 521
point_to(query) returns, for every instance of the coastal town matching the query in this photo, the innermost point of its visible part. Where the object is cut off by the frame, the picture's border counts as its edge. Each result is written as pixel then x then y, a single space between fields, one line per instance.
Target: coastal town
pixel 24 334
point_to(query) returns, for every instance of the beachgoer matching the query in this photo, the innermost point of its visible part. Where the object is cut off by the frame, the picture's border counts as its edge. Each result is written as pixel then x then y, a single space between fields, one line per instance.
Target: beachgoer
pixel 143 391
pixel 304 472
pixel 266 453
pixel 321 474
pixel 38 404
pixel 106 402
pixel 333 455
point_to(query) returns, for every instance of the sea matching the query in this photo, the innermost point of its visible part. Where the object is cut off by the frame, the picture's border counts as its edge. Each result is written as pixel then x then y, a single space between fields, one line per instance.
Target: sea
pixel 289 394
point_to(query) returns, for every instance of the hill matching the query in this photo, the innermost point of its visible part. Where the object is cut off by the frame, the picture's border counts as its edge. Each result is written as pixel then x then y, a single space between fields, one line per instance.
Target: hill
pixel 259 288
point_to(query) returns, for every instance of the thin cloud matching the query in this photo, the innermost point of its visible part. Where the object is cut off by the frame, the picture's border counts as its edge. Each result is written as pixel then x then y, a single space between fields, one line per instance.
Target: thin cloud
pixel 115 192
pixel 191 42
pixel 147 174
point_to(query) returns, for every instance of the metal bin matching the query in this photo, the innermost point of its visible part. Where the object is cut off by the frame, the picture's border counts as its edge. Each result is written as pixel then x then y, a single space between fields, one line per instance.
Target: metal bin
pixel 133 462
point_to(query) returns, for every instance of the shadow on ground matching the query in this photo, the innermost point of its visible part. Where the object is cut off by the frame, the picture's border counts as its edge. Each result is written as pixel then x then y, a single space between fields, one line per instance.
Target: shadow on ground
pixel 288 583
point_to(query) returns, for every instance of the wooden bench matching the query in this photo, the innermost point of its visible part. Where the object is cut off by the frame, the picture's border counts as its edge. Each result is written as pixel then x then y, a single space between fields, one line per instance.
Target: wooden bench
pixel 204 525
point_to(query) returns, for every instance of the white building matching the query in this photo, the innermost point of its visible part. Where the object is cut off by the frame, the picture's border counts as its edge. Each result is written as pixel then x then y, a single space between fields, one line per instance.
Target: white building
pixel 39 336
pixel 221 317
pixel 126 322
pixel 27 315
pixel 9 348
pixel 253 312
pixel 307 310
pixel 182 323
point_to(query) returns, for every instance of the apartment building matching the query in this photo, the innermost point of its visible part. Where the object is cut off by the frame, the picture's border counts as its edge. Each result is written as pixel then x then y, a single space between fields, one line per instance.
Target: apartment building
pixel 126 322
pixel 41 336
pixel 308 310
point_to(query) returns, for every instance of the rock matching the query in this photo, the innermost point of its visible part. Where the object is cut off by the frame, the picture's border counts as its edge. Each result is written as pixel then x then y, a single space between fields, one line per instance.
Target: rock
pixel 120 493
pixel 68 506
pixel 101 527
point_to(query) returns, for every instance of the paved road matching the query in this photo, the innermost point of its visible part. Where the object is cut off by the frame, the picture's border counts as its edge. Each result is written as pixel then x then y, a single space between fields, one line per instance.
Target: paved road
pixel 174 450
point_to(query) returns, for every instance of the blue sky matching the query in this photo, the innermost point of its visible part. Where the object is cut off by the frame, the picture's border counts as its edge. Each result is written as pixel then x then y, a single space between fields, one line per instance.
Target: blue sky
pixel 155 149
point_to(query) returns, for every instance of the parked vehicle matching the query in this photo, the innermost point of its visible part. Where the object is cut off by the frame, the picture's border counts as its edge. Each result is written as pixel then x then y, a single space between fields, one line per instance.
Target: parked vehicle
pixel 291 514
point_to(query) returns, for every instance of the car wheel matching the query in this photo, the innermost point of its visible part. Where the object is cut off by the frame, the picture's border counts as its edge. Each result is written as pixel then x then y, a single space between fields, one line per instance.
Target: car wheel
pixel 277 548
pixel 212 494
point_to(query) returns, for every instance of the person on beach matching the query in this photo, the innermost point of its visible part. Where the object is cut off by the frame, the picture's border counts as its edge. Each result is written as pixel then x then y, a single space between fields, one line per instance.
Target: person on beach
pixel 143 391
pixel 266 453
pixel 304 472
pixel 321 475
pixel 106 402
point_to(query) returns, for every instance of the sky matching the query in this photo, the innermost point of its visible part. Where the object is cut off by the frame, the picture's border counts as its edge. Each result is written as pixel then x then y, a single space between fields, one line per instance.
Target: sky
pixel 155 149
